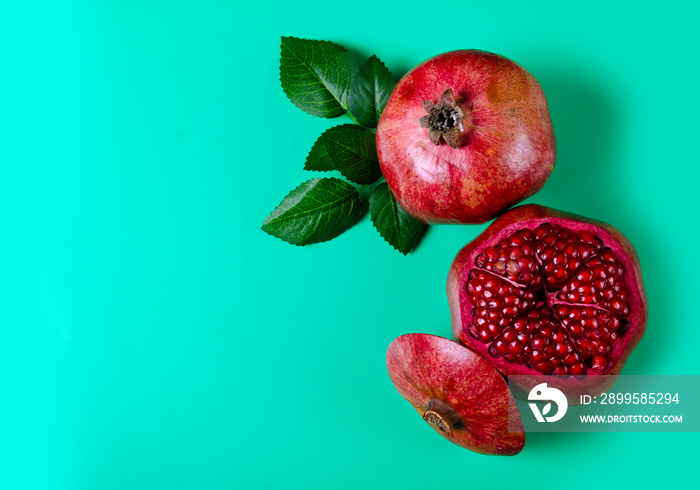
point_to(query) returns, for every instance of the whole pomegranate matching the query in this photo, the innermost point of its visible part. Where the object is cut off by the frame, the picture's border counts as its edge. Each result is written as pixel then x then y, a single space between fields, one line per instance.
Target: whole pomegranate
pixel 464 136
pixel 457 392
pixel 545 292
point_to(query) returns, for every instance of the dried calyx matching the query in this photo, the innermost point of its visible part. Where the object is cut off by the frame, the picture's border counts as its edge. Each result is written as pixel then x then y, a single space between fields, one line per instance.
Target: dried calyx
pixel 444 120
pixel 441 416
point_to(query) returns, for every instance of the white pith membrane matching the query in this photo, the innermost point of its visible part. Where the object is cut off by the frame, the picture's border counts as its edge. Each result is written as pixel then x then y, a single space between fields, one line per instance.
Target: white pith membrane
pixel 549 298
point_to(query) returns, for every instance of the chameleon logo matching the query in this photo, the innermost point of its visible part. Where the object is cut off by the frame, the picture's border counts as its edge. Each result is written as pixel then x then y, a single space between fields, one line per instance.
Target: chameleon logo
pixel 542 393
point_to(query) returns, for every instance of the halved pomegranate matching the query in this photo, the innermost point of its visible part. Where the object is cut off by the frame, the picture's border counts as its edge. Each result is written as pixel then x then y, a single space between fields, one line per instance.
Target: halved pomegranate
pixel 545 292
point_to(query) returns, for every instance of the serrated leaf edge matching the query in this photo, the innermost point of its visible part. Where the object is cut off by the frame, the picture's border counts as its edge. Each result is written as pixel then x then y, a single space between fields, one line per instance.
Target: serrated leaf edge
pixel 351 127
pixel 369 65
pixel 343 48
pixel 306 183
pixel 394 205
pixel 319 142
pixel 376 86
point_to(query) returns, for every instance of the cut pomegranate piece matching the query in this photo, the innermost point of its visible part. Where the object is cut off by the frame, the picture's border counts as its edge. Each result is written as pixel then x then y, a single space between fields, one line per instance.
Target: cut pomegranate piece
pixel 457 392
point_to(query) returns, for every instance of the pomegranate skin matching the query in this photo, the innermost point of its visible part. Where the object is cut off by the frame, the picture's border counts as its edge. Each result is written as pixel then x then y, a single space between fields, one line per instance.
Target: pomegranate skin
pixel 507 148
pixel 462 311
pixel 457 392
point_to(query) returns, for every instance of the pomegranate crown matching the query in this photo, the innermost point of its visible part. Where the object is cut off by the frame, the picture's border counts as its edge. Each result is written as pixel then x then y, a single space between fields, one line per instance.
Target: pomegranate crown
pixel 444 119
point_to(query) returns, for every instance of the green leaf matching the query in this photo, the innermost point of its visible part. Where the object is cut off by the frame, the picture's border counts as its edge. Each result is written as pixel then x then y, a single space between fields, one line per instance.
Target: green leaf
pixel 316 75
pixel 352 150
pixel 369 92
pixel 316 211
pixel 349 149
pixel 396 226
pixel 318 159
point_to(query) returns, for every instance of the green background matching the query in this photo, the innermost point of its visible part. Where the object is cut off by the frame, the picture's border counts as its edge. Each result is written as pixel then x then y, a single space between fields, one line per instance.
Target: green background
pixel 154 337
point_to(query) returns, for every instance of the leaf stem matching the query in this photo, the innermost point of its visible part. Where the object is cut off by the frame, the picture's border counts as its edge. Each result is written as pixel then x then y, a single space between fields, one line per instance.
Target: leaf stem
pixel 352 118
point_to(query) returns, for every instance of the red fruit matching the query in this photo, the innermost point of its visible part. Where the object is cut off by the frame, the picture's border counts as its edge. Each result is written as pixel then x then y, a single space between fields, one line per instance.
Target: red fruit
pixel 457 392
pixel 464 136
pixel 545 292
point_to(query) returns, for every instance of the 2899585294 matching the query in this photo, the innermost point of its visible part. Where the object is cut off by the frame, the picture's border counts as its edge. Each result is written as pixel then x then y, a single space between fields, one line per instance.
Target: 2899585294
pixel 632 399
